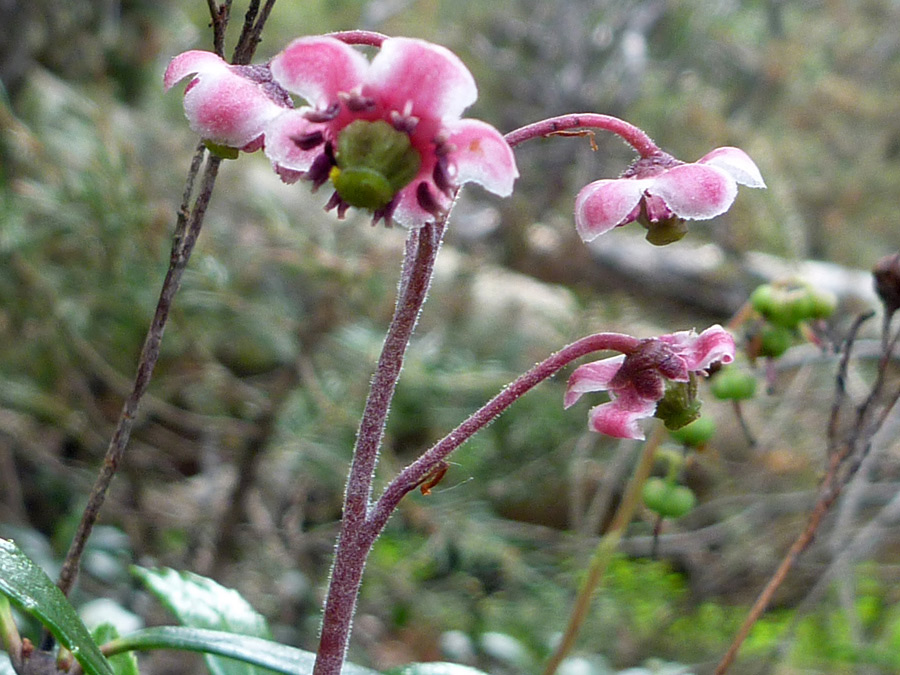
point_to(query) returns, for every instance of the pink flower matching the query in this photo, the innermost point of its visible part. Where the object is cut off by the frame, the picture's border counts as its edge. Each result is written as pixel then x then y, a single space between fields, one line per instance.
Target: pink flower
pixel 637 381
pixel 387 133
pixel 661 190
pixel 228 105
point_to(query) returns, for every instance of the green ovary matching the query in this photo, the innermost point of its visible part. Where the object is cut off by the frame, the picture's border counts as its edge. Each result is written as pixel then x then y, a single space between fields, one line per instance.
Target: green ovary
pixel 374 162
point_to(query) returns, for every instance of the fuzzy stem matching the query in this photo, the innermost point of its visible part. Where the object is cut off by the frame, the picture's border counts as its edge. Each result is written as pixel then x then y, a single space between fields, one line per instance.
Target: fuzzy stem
pixel 606 548
pixel 413 475
pixel 185 236
pixel 631 134
pixel 354 543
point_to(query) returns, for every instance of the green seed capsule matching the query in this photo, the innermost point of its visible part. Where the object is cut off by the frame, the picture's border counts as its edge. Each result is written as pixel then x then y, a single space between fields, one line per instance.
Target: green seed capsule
pixel 733 384
pixel 775 341
pixel 696 433
pixel 667 499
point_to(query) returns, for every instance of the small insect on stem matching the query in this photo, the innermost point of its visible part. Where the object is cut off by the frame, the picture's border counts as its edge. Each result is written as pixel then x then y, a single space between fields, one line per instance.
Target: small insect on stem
pixel 433 477
pixel 578 132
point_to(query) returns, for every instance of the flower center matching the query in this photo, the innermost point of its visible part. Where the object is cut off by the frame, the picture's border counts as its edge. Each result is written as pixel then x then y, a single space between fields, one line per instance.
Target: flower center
pixel 374 162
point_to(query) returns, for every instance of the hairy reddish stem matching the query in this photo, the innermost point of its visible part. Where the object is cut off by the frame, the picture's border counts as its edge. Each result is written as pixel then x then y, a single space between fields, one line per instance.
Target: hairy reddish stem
pixel 632 135
pixel 413 475
pixel 353 541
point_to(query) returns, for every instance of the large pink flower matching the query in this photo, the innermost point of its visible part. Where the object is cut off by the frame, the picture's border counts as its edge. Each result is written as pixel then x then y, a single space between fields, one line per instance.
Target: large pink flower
pixel 660 189
pixel 387 133
pixel 637 381
pixel 228 105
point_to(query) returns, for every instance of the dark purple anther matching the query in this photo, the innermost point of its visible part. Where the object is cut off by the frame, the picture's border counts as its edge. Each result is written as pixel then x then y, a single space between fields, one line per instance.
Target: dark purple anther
pixel 325 115
pixel 427 200
pixel 309 140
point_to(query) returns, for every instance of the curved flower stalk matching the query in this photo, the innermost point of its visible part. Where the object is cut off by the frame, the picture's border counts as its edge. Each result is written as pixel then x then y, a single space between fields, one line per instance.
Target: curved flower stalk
pixel 661 192
pixel 227 105
pixel 637 381
pixel 387 133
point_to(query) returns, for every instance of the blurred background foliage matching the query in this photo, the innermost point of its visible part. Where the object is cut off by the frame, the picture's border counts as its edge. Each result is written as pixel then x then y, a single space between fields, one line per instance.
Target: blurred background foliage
pixel 237 465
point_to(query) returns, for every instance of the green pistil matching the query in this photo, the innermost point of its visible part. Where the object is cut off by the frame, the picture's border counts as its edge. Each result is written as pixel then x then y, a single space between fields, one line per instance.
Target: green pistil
pixel 374 162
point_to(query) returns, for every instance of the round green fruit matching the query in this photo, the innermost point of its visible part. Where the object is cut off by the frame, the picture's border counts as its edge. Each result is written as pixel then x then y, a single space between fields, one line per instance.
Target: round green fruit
pixel 763 299
pixel 666 499
pixel 824 303
pixel 696 433
pixel 731 383
pixel 775 341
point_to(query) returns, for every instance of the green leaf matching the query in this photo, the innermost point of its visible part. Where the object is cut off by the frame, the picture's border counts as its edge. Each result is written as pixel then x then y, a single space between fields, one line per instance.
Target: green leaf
pixel 273 656
pixel 199 602
pixel 122 664
pixel 32 591
pixel 436 668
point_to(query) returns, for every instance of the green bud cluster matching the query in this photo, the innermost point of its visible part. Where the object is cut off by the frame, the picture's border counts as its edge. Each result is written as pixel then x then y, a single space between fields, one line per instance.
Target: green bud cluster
pixel 788 306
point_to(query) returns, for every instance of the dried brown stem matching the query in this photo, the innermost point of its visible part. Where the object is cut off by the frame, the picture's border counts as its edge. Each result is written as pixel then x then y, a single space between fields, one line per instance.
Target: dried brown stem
pixel 186 232
pixel 845 458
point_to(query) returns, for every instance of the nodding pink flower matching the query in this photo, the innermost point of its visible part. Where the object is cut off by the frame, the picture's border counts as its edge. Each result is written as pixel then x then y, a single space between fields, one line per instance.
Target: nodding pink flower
pixel 636 381
pixel 661 192
pixel 386 133
pixel 227 105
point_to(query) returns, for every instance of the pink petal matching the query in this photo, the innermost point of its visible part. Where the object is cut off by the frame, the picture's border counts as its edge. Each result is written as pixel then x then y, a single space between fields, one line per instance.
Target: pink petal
pixel 695 191
pixel 221 105
pixel 318 68
pixel 737 164
pixel 594 376
pixel 619 418
pixel 280 147
pixel 192 63
pixel 408 212
pixel 604 204
pixel 428 78
pixel 700 351
pixel 482 156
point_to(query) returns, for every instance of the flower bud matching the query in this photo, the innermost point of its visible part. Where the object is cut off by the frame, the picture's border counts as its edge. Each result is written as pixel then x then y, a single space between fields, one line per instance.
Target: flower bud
pixel 887 282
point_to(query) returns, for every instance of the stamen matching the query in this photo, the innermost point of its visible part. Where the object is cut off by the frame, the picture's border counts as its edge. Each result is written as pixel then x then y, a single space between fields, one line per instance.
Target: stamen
pixel 441 176
pixel 309 140
pixel 334 202
pixel 442 145
pixel 326 115
pixel 427 200
pixel 405 123
pixel 320 170
pixel 385 213
pixel 357 102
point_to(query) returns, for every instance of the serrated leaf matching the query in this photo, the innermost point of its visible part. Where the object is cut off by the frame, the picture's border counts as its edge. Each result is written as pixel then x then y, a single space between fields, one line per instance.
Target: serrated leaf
pixel 435 668
pixel 32 591
pixel 199 602
pixel 262 654
pixel 122 664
